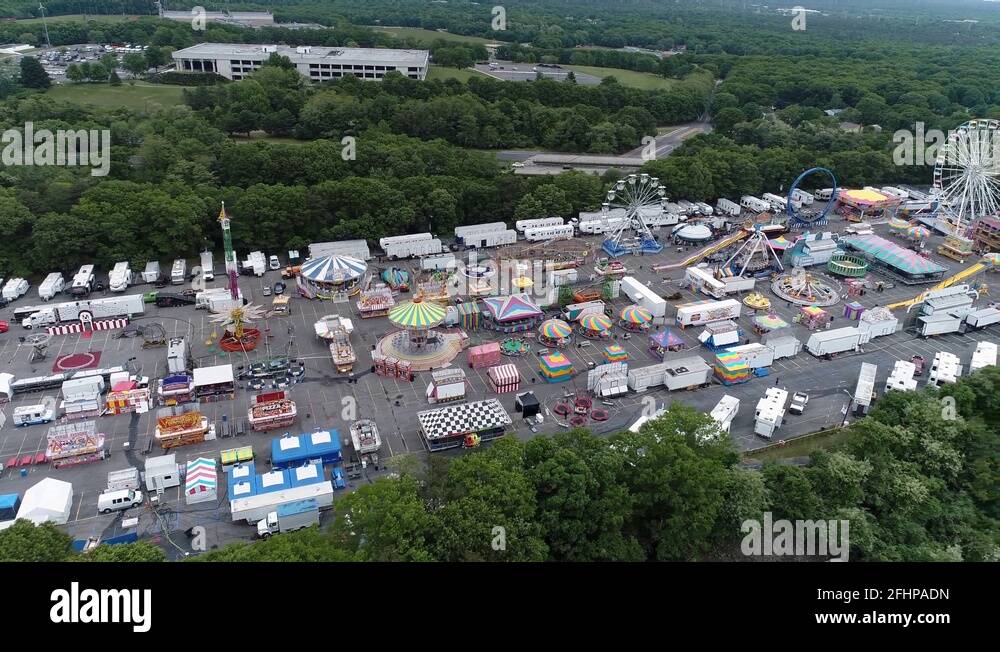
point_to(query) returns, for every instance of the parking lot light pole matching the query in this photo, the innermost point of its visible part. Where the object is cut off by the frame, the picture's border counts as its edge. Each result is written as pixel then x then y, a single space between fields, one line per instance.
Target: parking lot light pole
pixel 848 410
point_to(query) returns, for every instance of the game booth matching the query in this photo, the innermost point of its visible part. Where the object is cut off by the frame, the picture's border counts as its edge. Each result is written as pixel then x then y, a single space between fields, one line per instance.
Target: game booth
pixel 731 368
pixel 615 353
pixel 813 317
pixel 855 205
pixel 463 424
pixel 555 367
pixel 504 378
pixel 662 342
pixel 768 323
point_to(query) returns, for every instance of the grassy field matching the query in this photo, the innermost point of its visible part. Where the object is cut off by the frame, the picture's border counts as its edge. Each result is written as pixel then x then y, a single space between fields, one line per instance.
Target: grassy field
pixel 139 96
pixel 461 74
pixel 644 80
pixel 97 18
pixel 802 447
pixel 428 36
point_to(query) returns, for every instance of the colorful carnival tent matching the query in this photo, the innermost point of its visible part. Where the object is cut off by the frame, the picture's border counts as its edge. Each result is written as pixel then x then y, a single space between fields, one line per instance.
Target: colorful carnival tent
pixel 898 259
pixel 417 315
pixel 917 233
pixel 468 314
pixel 897 224
pixel 768 323
pixel 635 318
pixel 555 367
pixel 720 334
pixel 504 378
pixel 397 279
pixel 731 368
pixel 812 317
pixel 595 325
pixel 484 355
pixel 332 272
pixel 555 332
pixel 663 341
pixel 615 353
pixel 780 243
pixel 201 481
pixel 853 310
pixel 865 199
pixel 511 308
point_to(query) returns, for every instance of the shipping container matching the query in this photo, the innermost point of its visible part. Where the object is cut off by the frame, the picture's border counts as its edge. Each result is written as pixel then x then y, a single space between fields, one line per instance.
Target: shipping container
pixel 706 312
pixel 838 340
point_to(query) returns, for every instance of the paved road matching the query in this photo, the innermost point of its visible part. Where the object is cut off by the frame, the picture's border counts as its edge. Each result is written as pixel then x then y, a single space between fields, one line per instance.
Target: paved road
pixel 668 142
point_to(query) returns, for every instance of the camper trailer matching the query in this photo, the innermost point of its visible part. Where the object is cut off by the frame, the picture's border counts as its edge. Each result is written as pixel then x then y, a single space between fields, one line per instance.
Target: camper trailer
pixel 753 204
pixel 770 413
pixel 727 208
pixel 596 226
pixel 803 197
pixel 51 286
pixel 83 281
pixel 778 204
pixel 523 225
pixel 545 233
pixel 901 379
pixel 152 272
pixel 407 246
pixel 207 266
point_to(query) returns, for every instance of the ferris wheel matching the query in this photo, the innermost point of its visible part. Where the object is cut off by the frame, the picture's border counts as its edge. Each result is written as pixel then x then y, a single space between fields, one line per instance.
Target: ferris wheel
pixel 632 203
pixel 967 172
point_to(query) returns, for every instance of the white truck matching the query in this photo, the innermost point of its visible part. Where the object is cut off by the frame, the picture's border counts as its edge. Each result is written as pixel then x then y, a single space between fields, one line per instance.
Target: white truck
pixel 485 239
pixel 152 272
pixel 945 368
pixel 983 317
pixel 597 226
pixel 438 262
pixel 256 263
pixel 123 479
pixel 770 413
pixel 217 300
pixel 51 286
pixel 207 266
pixel 901 379
pixel 29 415
pixel 836 341
pixel 120 277
pixel 289 517
pixel 255 508
pixel 700 313
pixel 87 310
pixel 725 411
pixel 407 246
pixel 15 288
pixel 178 272
pixel 83 281
pixel 641 295
pixel 575 311
pixel 938 324
pixel 178 360
pixel 805 198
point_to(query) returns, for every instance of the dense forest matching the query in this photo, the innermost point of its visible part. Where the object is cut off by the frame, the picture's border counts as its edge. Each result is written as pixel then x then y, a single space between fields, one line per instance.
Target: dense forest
pixel 916 482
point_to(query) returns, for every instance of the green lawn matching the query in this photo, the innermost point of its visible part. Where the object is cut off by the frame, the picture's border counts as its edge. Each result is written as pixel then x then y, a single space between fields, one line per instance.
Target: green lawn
pixel 98 18
pixel 140 96
pixel 429 35
pixel 461 74
pixel 801 447
pixel 644 80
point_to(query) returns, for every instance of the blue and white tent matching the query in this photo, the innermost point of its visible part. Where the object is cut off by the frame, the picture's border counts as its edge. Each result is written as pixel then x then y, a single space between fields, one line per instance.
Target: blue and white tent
pixel 333 269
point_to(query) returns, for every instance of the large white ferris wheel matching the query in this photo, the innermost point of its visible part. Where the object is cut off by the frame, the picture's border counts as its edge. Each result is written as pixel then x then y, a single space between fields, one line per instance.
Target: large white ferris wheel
pixel 967 173
pixel 630 203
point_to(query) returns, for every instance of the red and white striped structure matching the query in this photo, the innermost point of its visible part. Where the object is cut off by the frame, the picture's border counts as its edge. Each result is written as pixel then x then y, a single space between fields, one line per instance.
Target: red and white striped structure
pixel 504 378
pixel 78 327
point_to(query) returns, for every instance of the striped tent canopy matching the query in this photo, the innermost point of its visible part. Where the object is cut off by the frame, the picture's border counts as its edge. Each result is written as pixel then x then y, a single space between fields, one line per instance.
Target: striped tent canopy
pixel 917 233
pixel 201 480
pixel 992 259
pixel 555 329
pixel 898 224
pixel 636 315
pixel 780 243
pixel 889 253
pixel 615 353
pixel 417 314
pixel 666 339
pixel 332 269
pixel 514 307
pixel 596 322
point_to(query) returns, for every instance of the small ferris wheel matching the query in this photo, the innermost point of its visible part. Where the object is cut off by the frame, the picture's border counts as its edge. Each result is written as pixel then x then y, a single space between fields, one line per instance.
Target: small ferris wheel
pixel 630 204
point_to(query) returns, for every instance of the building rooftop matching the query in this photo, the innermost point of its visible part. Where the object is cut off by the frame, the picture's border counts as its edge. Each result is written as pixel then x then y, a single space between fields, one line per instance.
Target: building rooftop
pixel 300 53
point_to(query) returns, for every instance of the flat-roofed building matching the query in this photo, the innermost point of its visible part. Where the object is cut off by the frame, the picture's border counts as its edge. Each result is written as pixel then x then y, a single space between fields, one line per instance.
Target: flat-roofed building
pixel 237 60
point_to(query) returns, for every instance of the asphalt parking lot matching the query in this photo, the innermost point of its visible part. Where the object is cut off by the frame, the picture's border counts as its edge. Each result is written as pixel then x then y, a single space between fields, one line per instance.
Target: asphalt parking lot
pixel 328 400
pixel 510 71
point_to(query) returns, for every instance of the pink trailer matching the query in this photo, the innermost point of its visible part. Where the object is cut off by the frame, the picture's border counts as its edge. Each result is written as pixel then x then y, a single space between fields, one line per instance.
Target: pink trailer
pixel 484 355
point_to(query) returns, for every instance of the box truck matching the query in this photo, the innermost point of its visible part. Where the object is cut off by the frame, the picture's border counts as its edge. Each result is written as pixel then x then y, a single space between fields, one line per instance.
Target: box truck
pixel 255 508
pixel 645 297
pixel 727 207
pixel 123 479
pixel 29 415
pixel 575 311
pixel 524 225
pixel 289 517
pixel 836 341
pixel 88 310
pixel 51 286
pixel 753 204
pixel 770 413
pixel 120 277
pixel 700 313
pixel 255 263
pixel 983 317
pixel 985 355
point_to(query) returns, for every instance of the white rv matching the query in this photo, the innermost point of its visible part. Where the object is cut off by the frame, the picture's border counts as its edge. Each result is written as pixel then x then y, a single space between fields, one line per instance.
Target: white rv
pixel 546 233
pixel 120 277
pixel 51 286
pixel 207 266
pixel 726 207
pixel 15 288
pixel 770 414
pixel 83 282
pixel 753 204
pixel 152 272
pixel 178 272
pixel 524 225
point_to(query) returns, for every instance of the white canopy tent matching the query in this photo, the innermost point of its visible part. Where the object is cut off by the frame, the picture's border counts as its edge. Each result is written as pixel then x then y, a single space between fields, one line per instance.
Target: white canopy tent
pixel 49 500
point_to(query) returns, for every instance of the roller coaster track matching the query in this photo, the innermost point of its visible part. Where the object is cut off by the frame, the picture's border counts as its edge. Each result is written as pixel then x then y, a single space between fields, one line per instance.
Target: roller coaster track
pixel 702 253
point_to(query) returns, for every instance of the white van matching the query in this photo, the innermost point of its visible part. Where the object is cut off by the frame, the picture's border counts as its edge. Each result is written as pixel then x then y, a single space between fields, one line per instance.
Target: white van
pixel 118 500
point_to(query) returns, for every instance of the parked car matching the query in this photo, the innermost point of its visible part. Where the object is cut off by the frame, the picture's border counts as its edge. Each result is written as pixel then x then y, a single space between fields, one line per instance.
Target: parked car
pixel 266 290
pixel 799 400
pixel 4 326
pixel 279 288
pixel 918 363
pixel 273 262
pixel 149 297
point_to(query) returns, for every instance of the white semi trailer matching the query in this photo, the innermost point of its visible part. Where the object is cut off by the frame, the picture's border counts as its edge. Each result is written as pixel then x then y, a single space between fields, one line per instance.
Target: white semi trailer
pixel 87 310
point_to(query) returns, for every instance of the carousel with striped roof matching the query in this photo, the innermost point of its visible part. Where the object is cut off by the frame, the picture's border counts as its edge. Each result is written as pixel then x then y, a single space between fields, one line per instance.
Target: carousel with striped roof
pixel 416 343
pixel 330 277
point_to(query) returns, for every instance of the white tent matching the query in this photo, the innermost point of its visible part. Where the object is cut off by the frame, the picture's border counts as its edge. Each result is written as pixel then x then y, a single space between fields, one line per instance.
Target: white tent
pixel 49 500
